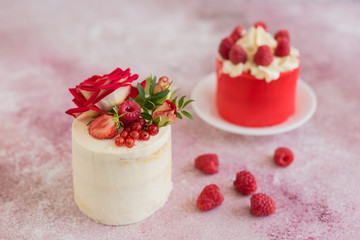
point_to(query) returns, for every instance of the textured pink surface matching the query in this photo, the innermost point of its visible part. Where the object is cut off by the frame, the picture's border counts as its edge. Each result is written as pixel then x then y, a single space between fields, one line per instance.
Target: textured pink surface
pixel 48 46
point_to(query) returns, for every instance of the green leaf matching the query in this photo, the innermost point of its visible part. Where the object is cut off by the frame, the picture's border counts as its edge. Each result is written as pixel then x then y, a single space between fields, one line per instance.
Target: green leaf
pixel 187 102
pixel 139 100
pixel 179 115
pixel 152 86
pixel 187 114
pixel 181 101
pixel 165 124
pixel 157 120
pixel 174 100
pixel 172 94
pixel 147 86
pixel 149 105
pixel 159 95
pixel 146 115
pixel 141 91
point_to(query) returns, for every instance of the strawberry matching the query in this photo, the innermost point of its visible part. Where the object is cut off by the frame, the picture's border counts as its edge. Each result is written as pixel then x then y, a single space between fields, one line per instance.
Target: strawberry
pixel 103 127
pixel 225 47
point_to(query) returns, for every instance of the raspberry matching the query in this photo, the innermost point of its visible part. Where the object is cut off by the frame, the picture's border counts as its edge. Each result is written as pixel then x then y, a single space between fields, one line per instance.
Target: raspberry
pixel 208 163
pixel 283 156
pixel 263 56
pixel 261 24
pixel 209 198
pixel 225 47
pixel 262 205
pixel 245 183
pixel 131 111
pixel 282 34
pixel 282 48
pixel 237 33
pixel 237 54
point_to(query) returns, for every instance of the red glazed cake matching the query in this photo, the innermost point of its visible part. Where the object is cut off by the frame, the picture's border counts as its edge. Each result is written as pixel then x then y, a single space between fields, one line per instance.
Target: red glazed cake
pixel 256 77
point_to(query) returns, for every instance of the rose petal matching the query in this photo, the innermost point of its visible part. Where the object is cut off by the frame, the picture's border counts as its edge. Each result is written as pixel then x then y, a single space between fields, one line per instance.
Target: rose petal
pixel 75 112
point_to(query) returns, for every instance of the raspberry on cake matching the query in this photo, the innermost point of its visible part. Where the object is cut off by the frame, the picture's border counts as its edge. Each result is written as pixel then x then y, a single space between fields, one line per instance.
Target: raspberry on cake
pixel 256 77
pixel 121 145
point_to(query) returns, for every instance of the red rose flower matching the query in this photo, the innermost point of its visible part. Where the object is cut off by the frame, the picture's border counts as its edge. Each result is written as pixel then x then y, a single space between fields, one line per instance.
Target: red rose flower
pixel 101 93
pixel 166 112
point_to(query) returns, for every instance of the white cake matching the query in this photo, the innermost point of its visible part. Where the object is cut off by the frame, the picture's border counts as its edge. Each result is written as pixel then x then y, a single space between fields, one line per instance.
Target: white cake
pixel 118 185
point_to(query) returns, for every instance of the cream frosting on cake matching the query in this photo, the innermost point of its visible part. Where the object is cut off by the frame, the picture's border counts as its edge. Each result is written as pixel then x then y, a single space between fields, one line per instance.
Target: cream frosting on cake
pixel 117 186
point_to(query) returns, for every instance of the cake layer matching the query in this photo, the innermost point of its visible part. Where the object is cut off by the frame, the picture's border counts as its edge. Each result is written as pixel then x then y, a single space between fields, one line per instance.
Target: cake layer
pixel 117 185
pixel 247 101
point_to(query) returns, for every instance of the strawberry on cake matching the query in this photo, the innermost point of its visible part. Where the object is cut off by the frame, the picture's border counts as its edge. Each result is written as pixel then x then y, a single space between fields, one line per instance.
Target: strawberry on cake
pixel 256 77
pixel 121 145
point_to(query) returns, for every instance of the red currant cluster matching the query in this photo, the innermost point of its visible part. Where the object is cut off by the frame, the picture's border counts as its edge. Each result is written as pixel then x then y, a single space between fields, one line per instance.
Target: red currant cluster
pixel 136 131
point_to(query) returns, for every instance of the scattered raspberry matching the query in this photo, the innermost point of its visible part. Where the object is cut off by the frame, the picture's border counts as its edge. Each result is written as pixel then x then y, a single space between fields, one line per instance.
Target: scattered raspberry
pixel 144 136
pixel 134 134
pixel 209 198
pixel 282 48
pixel 103 127
pixel 153 129
pixel 237 33
pixel 131 110
pixel 237 54
pixel 245 183
pixel 262 205
pixel 225 47
pixel 263 56
pixel 261 24
pixel 129 142
pixel 283 156
pixel 282 34
pixel 208 163
pixel 136 126
pixel 119 141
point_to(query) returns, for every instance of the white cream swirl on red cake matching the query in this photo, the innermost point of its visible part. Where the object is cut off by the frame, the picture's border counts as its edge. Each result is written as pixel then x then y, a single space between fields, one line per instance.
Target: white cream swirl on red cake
pixel 250 42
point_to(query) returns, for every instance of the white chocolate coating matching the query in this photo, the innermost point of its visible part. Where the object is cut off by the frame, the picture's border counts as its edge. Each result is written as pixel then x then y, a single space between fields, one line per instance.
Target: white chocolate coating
pixel 119 185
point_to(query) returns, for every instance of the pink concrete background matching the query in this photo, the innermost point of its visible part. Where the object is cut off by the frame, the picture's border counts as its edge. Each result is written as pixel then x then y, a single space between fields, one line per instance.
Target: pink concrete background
pixel 48 46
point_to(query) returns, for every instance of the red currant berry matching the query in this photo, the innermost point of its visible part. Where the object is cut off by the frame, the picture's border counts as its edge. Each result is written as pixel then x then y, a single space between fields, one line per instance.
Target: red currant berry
pixel 129 142
pixel 144 135
pixel 127 129
pixel 134 134
pixel 153 129
pixel 124 134
pixel 136 126
pixel 119 141
pixel 142 122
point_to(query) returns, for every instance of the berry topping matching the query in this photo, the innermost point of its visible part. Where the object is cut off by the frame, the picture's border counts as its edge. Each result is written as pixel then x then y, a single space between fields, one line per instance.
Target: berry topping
pixel 134 134
pixel 129 142
pixel 245 183
pixel 225 47
pixel 237 33
pixel 119 141
pixel 124 134
pixel 209 198
pixel 262 205
pixel 144 136
pixel 261 24
pixel 282 48
pixel 282 34
pixel 153 129
pixel 136 126
pixel 127 129
pixel 237 54
pixel 142 122
pixel 283 156
pixel 263 56
pixel 131 111
pixel 208 163
pixel 103 127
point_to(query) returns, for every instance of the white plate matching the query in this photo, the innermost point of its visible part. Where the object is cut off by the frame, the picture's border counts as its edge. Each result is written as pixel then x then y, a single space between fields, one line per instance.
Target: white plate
pixel 204 106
